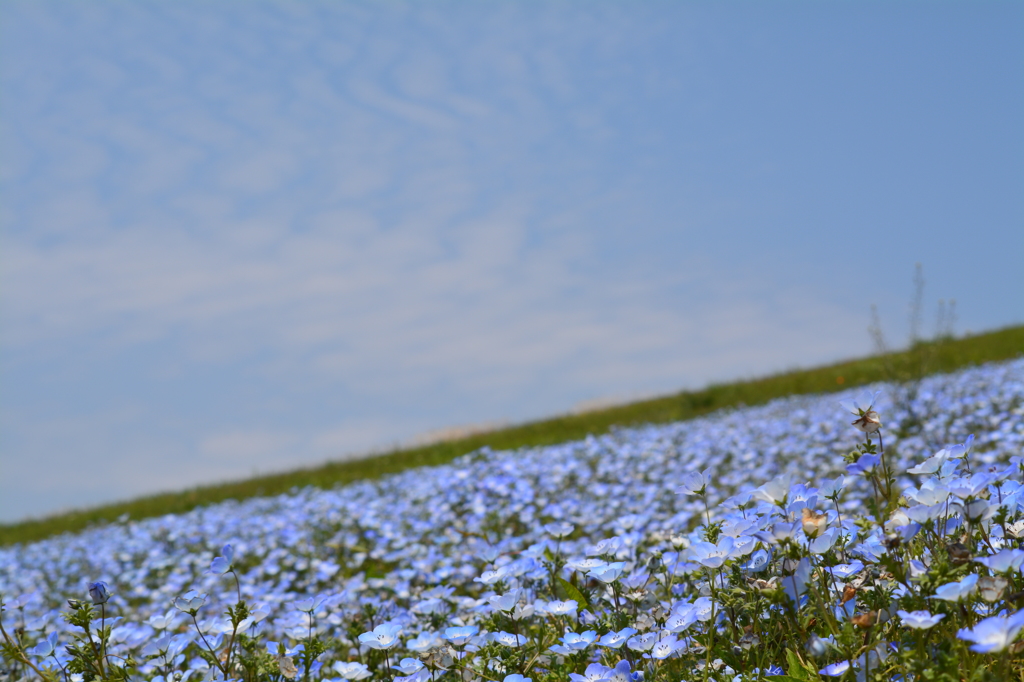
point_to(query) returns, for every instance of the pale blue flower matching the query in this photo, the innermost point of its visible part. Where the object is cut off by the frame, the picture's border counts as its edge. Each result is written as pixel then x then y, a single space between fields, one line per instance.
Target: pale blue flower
pixel 836 669
pixel 1004 561
pixel 190 602
pixel 352 670
pixel 609 572
pixel 614 640
pixel 958 590
pixel 508 639
pixel 45 647
pixel 993 634
pixel 695 483
pixel 595 672
pixel 460 636
pixel 920 620
pixel 667 646
pixel 222 564
pixel 384 636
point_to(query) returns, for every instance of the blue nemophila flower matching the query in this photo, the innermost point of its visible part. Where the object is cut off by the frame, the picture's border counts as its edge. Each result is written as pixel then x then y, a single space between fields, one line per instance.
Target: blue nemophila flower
pixel 712 556
pixel 864 408
pixel 993 634
pixel 704 608
pixel 695 483
pixel 310 604
pixel 757 562
pixel 836 669
pixel 970 486
pixel 352 670
pixel 408 666
pixel 818 646
pixel 775 491
pixel 99 592
pixel 833 487
pixel 508 639
pixel 824 542
pixel 958 590
pixel 558 608
pixel 865 464
pixel 622 673
pixel 681 618
pixel 584 565
pixel 610 546
pixel 609 572
pixel 614 640
pixel 920 620
pixel 461 635
pixel 1004 561
pixel 516 677
pixel 222 564
pixel 559 529
pixel 45 647
pixel 844 571
pixel 642 642
pixel 425 641
pixel 384 636
pixel 595 672
pixel 667 646
pixel 491 577
pixel 505 602
pixel 796 584
pixel 190 602
pixel 573 642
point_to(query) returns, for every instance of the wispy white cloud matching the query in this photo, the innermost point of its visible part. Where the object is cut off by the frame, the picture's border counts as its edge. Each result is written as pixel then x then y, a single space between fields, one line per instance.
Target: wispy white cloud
pixel 244 236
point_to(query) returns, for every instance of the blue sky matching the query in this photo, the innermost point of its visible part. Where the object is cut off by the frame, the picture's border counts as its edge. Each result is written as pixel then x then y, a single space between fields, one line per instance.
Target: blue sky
pixel 249 236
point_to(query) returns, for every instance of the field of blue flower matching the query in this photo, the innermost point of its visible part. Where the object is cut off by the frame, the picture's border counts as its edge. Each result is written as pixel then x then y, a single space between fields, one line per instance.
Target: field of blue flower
pixel 797 540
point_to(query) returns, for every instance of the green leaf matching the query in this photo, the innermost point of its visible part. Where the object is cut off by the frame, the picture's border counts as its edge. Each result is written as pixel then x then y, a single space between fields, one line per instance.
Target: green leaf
pixel 572 592
pixel 797 671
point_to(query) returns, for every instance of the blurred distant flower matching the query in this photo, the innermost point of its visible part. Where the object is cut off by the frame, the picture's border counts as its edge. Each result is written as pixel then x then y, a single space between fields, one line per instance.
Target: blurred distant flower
pixel 45 647
pixel 559 529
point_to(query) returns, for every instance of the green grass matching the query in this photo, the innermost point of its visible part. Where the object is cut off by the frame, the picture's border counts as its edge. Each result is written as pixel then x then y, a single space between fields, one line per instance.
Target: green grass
pixel 924 358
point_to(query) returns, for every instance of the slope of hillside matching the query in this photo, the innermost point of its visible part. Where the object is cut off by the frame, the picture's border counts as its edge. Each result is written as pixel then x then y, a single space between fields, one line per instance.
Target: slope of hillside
pixel 924 359
pixel 435 548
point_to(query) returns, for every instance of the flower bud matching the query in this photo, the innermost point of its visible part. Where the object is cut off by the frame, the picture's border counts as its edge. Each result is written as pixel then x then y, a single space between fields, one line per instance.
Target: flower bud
pixel 98 592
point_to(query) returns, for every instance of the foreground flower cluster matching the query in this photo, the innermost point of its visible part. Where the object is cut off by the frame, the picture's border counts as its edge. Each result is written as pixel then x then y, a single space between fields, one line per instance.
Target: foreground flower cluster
pixel 791 539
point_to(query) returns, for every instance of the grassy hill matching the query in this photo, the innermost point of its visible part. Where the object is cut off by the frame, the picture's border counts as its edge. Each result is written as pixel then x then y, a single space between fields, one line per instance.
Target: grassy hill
pixel 924 358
